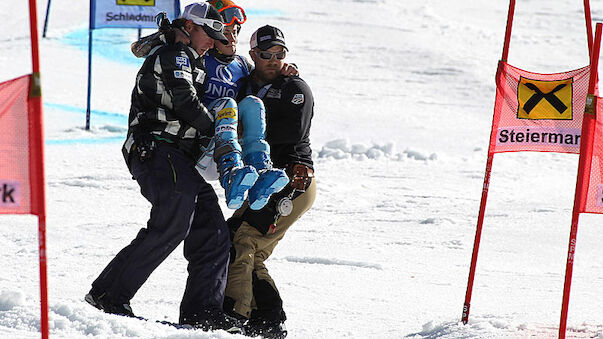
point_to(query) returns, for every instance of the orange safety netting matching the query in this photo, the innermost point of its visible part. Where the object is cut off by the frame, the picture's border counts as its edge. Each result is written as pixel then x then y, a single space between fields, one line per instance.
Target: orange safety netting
pixel 538 112
pixel 15 188
pixel 592 197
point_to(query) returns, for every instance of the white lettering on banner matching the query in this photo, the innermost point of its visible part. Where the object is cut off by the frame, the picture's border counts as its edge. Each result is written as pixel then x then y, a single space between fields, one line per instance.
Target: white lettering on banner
pixel 110 16
pixel 130 13
pixel 10 193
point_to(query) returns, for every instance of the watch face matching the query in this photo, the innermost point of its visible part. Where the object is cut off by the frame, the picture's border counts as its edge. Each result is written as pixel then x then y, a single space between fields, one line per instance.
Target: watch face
pixel 285 206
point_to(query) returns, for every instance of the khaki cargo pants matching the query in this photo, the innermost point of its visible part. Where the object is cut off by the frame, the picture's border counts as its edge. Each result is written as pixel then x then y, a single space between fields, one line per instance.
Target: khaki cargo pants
pixel 253 248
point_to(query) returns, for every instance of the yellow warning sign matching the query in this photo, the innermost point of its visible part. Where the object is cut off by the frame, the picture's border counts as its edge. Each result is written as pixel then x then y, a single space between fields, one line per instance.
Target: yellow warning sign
pixel 136 2
pixel 545 100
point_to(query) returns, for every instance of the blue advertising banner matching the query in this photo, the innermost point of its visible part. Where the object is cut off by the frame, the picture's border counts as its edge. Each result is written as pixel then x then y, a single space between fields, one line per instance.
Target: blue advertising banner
pixel 130 13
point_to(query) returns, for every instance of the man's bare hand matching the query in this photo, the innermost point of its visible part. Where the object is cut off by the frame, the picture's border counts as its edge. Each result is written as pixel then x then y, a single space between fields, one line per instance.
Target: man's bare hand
pixel 289 70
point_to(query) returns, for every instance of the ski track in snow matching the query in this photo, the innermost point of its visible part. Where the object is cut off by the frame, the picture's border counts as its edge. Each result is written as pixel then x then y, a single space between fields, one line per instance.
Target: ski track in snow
pixel 325 261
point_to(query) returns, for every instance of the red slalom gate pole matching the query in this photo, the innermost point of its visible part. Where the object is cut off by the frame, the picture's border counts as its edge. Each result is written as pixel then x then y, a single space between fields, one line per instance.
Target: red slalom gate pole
pixel 589 27
pixel 37 157
pixel 476 242
pixel 505 53
pixel 43 277
pixel 482 212
pixel 588 126
pixel 482 206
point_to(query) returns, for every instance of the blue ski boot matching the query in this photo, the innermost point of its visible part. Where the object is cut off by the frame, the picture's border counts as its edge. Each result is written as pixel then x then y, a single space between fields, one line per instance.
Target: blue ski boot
pixel 235 178
pixel 271 180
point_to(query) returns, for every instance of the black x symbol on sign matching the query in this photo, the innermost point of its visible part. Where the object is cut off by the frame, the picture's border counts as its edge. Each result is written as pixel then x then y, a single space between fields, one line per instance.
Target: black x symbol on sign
pixel 539 95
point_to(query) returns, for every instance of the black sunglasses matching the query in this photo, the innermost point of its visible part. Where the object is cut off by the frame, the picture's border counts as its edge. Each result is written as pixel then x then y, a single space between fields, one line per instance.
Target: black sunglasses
pixel 269 55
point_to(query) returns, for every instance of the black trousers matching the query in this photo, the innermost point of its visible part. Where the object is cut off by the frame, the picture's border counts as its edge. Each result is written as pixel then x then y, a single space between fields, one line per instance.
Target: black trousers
pixel 184 207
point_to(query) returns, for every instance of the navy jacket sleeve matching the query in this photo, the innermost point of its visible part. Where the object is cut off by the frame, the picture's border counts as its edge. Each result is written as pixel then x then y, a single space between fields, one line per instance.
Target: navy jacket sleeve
pixel 178 75
pixel 289 125
pixel 297 104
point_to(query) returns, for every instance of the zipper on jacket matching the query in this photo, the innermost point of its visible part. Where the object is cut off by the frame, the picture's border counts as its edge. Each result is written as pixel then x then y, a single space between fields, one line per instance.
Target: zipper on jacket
pixel 173 169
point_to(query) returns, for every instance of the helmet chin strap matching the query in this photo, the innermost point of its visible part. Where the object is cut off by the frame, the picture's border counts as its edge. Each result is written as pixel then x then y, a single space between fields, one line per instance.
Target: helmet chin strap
pixel 220 56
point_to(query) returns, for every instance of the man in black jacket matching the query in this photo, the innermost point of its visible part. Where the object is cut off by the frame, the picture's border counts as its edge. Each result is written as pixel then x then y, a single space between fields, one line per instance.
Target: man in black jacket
pixel 250 291
pixel 167 126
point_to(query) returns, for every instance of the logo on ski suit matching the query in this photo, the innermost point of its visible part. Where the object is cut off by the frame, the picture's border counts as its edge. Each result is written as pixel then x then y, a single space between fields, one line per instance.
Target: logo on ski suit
pixel 227 113
pixel 298 99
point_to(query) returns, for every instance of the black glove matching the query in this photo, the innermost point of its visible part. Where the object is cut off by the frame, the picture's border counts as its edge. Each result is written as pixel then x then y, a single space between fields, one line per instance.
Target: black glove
pixel 142 47
pixel 145 146
pixel 163 23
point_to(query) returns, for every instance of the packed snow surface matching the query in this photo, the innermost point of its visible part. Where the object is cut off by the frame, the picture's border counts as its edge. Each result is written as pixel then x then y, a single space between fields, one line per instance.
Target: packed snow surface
pixel 404 97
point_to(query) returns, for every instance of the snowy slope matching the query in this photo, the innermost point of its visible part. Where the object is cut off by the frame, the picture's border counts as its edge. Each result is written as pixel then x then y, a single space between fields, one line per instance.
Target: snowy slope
pixel 404 97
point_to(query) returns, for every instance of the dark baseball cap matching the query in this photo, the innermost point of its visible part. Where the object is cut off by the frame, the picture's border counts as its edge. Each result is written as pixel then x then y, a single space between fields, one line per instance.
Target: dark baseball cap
pixel 266 37
pixel 206 16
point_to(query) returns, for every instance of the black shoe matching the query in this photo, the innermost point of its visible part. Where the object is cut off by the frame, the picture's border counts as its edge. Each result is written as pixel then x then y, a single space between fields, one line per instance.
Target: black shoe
pixel 99 301
pixel 213 321
pixel 268 329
